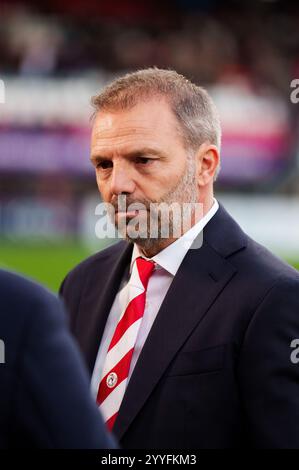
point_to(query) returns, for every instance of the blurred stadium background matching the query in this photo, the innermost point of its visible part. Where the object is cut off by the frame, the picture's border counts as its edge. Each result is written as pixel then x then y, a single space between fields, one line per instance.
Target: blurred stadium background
pixel 56 54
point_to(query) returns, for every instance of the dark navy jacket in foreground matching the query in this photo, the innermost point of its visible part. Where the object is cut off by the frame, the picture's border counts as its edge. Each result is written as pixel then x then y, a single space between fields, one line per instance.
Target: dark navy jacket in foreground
pixel 44 393
pixel 215 371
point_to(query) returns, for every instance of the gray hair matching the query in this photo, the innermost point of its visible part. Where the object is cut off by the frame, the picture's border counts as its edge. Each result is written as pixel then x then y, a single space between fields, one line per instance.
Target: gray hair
pixel 193 107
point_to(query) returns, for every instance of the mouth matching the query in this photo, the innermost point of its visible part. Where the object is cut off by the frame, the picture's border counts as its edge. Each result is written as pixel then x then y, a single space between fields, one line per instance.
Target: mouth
pixel 130 214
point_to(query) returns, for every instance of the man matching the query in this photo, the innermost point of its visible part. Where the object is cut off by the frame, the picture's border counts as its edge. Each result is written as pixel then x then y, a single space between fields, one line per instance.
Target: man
pixel 45 398
pixel 187 338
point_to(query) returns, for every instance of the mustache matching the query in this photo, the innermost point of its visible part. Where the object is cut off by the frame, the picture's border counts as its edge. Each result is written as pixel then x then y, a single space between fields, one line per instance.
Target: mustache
pixel 123 203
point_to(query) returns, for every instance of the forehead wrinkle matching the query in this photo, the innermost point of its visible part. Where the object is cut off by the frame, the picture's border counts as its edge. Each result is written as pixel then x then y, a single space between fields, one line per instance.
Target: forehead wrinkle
pixel 117 134
pixel 123 140
pixel 135 121
pixel 122 147
pixel 106 133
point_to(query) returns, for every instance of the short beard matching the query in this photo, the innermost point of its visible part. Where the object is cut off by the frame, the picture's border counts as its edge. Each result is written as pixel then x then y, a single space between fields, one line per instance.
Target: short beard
pixel 186 191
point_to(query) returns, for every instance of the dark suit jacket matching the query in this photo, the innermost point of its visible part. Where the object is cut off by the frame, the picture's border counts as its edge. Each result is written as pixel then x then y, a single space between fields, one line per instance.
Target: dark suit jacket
pixel 215 371
pixel 45 399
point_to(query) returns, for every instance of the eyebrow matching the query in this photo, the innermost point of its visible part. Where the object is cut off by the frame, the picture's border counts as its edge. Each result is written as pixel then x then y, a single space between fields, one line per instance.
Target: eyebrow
pixel 133 154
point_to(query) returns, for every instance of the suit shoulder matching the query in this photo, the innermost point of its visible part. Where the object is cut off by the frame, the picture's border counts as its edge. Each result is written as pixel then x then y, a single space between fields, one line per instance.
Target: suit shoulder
pixel 16 289
pixel 260 270
pixel 270 264
pixel 24 303
pixel 90 263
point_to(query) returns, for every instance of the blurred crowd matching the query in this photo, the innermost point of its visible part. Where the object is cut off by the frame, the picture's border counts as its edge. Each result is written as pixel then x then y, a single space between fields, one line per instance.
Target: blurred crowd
pixel 56 54
pixel 209 41
pixel 245 52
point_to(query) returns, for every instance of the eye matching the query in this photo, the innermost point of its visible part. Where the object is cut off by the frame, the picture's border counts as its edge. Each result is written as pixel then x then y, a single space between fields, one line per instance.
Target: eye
pixel 104 164
pixel 142 160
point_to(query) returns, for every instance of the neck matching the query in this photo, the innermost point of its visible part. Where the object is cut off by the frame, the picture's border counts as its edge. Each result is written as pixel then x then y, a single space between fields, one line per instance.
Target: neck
pixel 156 247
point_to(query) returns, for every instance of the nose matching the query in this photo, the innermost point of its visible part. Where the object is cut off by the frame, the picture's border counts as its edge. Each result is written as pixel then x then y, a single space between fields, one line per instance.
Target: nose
pixel 122 181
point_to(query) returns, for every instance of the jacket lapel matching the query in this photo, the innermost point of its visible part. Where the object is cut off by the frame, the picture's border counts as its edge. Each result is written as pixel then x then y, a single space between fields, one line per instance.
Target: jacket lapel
pixel 99 292
pixel 203 274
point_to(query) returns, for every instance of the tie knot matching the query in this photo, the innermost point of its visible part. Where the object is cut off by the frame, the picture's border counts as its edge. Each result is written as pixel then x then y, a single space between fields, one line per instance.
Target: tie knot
pixel 145 269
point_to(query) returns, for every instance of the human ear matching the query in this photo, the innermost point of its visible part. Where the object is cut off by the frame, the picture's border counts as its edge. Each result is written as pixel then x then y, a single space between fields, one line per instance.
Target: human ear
pixel 207 162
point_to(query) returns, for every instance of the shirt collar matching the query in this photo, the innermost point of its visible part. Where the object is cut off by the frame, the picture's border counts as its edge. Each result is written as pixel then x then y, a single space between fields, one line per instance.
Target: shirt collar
pixel 170 258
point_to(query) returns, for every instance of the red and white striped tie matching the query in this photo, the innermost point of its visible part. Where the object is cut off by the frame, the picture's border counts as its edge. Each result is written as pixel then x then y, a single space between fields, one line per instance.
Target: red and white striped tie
pixel 117 363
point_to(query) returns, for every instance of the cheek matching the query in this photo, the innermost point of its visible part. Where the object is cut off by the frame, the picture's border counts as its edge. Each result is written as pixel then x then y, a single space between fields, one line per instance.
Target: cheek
pixel 172 177
pixel 155 186
pixel 103 188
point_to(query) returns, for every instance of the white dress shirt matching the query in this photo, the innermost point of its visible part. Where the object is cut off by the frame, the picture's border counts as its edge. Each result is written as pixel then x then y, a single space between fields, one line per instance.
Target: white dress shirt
pixel 167 262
